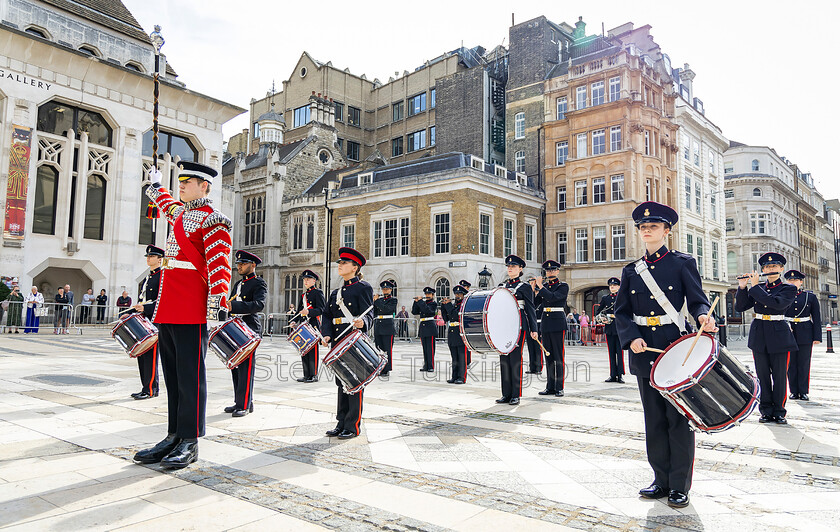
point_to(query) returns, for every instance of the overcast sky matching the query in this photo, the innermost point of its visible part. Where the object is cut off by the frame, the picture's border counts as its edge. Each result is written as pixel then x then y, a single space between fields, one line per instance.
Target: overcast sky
pixel 764 68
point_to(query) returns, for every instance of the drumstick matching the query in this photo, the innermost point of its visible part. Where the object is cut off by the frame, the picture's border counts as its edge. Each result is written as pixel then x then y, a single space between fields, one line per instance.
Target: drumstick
pixel 655 350
pixel 547 353
pixel 697 336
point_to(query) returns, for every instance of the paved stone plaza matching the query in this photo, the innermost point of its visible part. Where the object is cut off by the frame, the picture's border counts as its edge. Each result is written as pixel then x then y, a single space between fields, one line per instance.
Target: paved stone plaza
pixel 431 456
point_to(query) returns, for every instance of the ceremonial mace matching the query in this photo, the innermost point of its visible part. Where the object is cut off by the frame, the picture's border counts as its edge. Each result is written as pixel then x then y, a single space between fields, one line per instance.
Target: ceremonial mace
pixel 152 209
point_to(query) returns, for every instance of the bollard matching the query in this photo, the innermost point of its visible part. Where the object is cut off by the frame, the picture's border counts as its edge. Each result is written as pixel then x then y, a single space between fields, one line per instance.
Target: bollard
pixel 828 341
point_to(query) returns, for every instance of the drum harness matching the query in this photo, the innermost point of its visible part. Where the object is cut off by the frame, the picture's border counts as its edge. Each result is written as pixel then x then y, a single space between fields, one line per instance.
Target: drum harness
pixel 660 297
pixel 348 316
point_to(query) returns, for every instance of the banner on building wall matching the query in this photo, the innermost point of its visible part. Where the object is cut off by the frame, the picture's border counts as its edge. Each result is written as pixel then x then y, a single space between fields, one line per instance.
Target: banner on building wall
pixel 18 180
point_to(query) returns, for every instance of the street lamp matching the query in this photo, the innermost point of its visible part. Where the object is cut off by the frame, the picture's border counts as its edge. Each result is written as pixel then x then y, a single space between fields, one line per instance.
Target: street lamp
pixel 484 277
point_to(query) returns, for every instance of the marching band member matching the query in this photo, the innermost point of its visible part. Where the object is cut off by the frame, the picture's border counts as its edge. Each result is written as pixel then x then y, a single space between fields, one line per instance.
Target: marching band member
pixel 427 308
pixel 247 300
pixel 466 284
pixel 384 310
pixel 651 290
pixel 451 312
pixel 804 318
pixel 353 298
pixel 310 306
pixel 147 295
pixel 535 355
pixel 553 326
pixel 193 289
pixel 606 313
pixel 511 364
pixel 771 339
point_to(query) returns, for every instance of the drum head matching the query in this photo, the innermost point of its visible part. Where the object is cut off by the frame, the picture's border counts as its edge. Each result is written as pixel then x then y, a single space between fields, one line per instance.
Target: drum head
pixel 669 371
pixel 503 323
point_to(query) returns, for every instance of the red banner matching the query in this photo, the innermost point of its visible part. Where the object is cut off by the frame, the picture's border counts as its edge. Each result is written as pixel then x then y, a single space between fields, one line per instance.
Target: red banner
pixel 18 182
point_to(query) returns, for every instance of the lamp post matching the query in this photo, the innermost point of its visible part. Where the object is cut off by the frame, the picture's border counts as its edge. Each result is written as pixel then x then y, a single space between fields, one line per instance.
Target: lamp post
pixel 484 277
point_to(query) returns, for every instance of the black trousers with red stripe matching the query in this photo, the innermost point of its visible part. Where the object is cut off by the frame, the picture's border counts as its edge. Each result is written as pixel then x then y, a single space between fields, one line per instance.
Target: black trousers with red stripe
pixel 243 383
pixel 616 355
pixel 511 366
pixel 386 345
pixel 428 343
pixel 771 370
pixel 535 356
pixel 148 364
pixel 349 410
pixel 459 362
pixel 556 360
pixel 182 350
pixel 799 368
pixel 310 363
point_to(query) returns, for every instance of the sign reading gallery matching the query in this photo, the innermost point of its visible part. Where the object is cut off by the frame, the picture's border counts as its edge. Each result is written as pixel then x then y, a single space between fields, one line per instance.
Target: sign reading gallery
pixel 25 80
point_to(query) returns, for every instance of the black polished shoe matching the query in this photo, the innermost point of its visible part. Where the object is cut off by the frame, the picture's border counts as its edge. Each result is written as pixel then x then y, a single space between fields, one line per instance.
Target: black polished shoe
pixel 780 420
pixel 136 394
pixel 654 491
pixel 142 395
pixel 156 453
pixel 346 435
pixel 503 400
pixel 793 396
pixel 230 409
pixel 611 379
pixel 302 379
pixel 334 432
pixel 766 419
pixel 185 453
pixel 546 392
pixel 450 381
pixel 559 393
pixel 458 381
pixel 804 396
pixel 311 379
pixel 384 373
pixel 677 499
pixel 620 379
pixel 514 401
pixel 240 412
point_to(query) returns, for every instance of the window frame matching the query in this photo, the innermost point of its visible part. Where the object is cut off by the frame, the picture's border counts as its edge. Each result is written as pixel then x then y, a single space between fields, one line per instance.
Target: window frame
pixel 519 126
pixel 617 186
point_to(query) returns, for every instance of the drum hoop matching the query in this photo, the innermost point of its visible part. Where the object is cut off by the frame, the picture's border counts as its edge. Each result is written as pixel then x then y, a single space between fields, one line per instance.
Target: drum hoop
pixel 367 381
pixel 249 347
pixel 697 376
pixel 484 326
pixel 135 351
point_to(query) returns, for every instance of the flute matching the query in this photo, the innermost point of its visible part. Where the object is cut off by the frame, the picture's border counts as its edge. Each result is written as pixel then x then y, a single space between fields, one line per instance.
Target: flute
pixel 760 275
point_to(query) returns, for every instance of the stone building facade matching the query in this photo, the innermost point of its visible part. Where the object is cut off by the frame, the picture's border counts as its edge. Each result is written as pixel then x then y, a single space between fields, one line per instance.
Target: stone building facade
pixel 76 112
pixel 436 221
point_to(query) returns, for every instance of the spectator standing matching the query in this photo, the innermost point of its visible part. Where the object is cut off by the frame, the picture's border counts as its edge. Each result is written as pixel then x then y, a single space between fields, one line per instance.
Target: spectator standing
pixel 101 303
pixel 87 301
pixel 61 303
pixel 33 301
pixel 14 310
pixel 69 295
pixel 584 329
pixel 402 322
pixel 123 302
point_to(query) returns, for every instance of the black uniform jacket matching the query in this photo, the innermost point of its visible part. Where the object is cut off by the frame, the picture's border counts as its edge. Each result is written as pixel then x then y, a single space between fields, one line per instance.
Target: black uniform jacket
pixel 523 292
pixel 676 274
pixel 148 292
pixel 384 306
pixel 553 295
pixel 250 301
pixel 425 308
pixel 316 304
pixel 357 296
pixel 607 306
pixel 770 299
pixel 451 313
pixel 805 304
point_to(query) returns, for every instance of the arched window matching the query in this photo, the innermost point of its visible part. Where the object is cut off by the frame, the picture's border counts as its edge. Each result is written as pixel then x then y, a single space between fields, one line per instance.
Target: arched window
pixel 89 50
pixel 135 66
pixel 46 195
pixel 310 232
pixel 755 165
pixel 731 263
pixel 442 288
pixel 95 207
pixel 757 192
pixel 34 30
pixel 170 143
pixel 58 118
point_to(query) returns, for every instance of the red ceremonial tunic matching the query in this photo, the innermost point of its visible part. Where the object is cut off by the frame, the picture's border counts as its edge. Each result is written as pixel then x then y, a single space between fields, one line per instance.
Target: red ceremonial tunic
pixel 184 293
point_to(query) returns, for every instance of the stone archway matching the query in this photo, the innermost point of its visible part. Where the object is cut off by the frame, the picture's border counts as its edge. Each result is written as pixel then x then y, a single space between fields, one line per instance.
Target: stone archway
pixel 55 272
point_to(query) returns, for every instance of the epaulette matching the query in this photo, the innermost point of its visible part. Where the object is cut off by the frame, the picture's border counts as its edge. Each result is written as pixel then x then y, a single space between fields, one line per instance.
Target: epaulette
pixel 216 218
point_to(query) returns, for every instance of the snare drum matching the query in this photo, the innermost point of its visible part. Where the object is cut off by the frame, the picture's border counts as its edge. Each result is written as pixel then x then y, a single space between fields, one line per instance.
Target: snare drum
pixel 490 321
pixel 713 389
pixel 355 361
pixel 233 342
pixel 135 333
pixel 304 337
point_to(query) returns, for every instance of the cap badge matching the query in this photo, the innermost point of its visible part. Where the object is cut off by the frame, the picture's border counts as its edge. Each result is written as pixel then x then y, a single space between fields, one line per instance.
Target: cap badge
pixel 647 212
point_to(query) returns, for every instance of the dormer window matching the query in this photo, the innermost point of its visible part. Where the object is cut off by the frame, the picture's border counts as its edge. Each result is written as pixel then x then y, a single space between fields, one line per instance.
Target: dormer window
pixel 366 179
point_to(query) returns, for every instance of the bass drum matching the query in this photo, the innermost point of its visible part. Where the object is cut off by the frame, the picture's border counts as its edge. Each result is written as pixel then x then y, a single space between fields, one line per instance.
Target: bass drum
pixel 490 321
pixel 712 389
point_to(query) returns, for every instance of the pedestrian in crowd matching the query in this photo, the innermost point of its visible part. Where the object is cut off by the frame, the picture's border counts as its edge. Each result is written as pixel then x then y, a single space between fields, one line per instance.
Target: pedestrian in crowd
pixel 123 302
pixel 101 302
pixel 584 329
pixel 33 300
pixel 69 295
pixel 402 322
pixel 87 301
pixel 14 310
pixel 574 330
pixel 61 302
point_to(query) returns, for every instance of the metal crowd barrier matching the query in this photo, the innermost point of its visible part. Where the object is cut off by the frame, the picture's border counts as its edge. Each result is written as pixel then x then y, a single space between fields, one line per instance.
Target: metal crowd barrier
pixel 573 334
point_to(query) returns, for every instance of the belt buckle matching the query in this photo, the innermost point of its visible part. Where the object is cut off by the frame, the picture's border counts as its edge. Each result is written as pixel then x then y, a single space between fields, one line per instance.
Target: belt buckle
pixel 653 321
pixel 164 263
pixel 765 317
